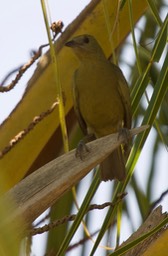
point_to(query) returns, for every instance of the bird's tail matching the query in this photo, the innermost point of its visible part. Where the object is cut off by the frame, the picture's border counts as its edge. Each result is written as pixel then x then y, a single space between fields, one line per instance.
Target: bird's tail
pixel 113 167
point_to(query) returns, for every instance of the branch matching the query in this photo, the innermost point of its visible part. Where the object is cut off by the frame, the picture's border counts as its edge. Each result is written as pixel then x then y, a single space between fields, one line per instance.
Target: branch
pixel 56 223
pixel 56 28
pixel 154 220
pixel 18 137
pixel 44 187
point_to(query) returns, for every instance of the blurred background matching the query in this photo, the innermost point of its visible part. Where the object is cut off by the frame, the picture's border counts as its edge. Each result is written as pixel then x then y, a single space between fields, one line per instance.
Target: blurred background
pixel 23 31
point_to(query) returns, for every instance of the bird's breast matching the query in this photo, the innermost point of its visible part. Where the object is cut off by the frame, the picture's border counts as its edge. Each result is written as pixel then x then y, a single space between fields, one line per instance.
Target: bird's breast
pixel 99 101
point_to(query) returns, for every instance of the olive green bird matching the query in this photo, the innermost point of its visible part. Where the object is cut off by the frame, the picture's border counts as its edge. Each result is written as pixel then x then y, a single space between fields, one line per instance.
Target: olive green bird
pixel 101 99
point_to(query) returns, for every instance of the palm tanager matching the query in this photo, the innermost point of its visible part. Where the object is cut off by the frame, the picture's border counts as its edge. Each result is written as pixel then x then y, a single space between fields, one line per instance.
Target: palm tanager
pixel 101 99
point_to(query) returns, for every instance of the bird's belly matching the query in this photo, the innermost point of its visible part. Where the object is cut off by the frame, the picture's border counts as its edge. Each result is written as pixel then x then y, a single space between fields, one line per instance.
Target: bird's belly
pixel 101 109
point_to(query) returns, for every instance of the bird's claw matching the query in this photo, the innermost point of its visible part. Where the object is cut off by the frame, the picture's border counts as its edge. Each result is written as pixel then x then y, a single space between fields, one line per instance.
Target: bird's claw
pixel 124 132
pixel 81 149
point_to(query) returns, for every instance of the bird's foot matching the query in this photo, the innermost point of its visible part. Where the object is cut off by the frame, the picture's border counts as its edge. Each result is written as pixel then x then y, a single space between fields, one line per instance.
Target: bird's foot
pixel 124 132
pixel 82 148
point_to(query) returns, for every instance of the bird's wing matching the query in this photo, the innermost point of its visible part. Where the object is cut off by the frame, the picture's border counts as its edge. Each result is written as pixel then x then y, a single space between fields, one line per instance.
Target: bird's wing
pixel 125 96
pixel 123 90
pixel 77 109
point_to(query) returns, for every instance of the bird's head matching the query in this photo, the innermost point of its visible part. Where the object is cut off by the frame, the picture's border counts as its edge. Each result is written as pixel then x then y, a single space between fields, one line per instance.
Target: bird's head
pixel 86 47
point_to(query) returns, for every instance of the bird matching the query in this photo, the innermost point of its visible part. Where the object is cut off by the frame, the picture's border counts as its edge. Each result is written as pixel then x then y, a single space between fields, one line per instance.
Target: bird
pixel 101 99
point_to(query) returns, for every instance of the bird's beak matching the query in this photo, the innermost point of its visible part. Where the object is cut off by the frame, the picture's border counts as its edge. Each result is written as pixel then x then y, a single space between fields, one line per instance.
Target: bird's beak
pixel 74 43
pixel 71 43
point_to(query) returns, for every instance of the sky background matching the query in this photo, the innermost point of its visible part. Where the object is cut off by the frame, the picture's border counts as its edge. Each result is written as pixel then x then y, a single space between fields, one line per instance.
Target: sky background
pixel 22 30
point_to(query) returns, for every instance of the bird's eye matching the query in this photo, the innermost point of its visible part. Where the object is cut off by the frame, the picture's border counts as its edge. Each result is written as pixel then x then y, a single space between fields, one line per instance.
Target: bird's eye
pixel 86 40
